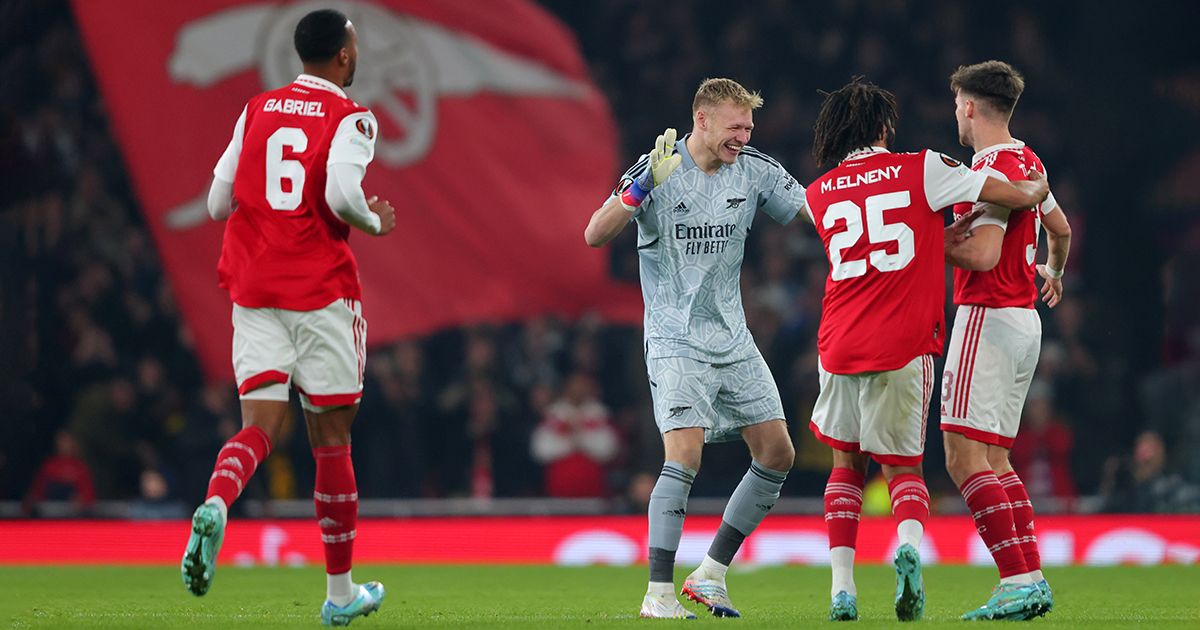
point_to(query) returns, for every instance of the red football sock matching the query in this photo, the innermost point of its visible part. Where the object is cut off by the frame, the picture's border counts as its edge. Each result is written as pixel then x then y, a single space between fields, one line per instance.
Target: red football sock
pixel 1022 510
pixel 910 498
pixel 336 498
pixel 843 505
pixel 236 463
pixel 988 503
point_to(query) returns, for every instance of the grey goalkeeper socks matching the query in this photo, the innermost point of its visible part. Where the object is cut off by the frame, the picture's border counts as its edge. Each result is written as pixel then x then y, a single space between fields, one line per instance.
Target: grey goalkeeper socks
pixel 750 502
pixel 668 506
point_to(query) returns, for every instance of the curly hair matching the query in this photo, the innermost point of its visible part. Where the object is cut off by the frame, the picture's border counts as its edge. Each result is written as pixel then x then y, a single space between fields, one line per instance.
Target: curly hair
pixel 851 118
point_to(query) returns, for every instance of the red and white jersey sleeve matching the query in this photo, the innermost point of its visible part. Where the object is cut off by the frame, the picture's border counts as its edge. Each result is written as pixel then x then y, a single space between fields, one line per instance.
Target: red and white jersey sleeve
pixel 354 140
pixel 948 182
pixel 1011 283
pixel 283 246
pixel 876 214
pixel 226 168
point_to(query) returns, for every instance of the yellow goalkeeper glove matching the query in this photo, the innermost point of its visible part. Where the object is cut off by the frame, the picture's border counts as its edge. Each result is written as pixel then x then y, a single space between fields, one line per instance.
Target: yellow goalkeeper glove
pixel 663 161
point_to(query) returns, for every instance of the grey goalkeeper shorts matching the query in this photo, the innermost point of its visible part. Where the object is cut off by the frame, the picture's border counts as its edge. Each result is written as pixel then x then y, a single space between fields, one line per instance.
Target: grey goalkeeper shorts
pixel 721 398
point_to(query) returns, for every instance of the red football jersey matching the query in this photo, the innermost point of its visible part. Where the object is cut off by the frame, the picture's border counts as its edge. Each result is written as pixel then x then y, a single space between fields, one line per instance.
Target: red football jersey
pixel 878 214
pixel 283 246
pixel 1011 282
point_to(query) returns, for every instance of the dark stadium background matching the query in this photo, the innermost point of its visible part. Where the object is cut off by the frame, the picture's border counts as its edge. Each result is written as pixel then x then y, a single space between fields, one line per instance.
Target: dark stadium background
pixel 93 346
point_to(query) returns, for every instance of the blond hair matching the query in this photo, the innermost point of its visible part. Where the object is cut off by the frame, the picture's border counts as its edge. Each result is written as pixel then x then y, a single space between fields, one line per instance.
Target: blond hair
pixel 716 91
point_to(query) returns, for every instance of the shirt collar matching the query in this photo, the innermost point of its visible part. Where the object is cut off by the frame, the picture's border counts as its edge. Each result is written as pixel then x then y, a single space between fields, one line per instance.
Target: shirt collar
pixel 1015 144
pixel 864 152
pixel 308 80
pixel 682 150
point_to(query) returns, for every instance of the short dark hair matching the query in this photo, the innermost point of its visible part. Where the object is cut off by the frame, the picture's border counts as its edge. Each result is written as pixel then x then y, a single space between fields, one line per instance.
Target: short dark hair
pixel 993 82
pixel 320 35
pixel 852 118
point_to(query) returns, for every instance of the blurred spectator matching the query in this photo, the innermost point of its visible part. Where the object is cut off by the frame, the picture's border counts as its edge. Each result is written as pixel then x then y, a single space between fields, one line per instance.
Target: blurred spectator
pixel 1042 453
pixel 398 406
pixel 574 441
pixel 154 501
pixel 62 477
pixel 1141 483
pixel 105 423
pixel 211 420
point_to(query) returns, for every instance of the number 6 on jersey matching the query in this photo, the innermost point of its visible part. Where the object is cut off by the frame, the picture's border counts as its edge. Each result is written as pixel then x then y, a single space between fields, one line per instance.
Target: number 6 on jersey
pixel 279 169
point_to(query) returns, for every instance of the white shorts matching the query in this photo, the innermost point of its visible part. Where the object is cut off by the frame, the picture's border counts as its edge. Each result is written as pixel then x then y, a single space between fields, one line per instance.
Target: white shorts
pixel 322 352
pixel 882 414
pixel 992 356
pixel 721 398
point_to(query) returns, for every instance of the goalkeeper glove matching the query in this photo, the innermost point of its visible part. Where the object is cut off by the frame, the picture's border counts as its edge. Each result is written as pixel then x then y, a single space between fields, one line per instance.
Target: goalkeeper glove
pixel 663 161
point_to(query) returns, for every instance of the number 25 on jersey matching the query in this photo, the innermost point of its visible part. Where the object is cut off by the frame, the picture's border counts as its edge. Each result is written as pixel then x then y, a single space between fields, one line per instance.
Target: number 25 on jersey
pixel 878 232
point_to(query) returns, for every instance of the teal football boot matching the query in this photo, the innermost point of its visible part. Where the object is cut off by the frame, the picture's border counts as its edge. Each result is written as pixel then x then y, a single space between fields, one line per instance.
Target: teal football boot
pixel 1016 602
pixel 844 607
pixel 200 558
pixel 910 586
pixel 1047 603
pixel 370 596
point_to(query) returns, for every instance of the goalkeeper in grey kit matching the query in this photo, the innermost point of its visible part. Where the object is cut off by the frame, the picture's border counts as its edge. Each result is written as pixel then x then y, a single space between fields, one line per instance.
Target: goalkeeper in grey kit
pixel 694 201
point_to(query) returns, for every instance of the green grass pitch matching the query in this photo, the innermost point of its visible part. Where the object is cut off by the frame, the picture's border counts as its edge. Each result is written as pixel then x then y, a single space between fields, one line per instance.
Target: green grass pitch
pixel 551 597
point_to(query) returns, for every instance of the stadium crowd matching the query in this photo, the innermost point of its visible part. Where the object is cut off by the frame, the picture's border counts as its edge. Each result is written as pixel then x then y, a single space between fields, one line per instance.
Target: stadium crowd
pixel 103 397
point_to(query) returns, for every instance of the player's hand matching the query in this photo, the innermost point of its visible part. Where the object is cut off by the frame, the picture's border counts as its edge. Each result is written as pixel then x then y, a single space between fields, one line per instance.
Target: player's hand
pixel 1043 184
pixel 1052 290
pixel 387 214
pixel 960 230
pixel 663 161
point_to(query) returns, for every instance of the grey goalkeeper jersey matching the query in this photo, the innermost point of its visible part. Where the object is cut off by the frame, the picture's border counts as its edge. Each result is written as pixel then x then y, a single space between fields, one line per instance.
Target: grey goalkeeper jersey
pixel 691 237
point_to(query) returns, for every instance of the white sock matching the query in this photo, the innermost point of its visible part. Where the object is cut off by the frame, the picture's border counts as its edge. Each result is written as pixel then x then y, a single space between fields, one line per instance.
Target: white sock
pixel 909 531
pixel 661 589
pixel 841 559
pixel 339 589
pixel 1036 576
pixel 712 569
pixel 221 507
pixel 1022 578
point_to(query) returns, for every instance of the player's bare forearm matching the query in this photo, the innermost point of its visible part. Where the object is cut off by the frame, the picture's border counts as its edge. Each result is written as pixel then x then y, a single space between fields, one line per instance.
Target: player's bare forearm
pixel 965 255
pixel 606 223
pixel 1058 238
pixel 1016 195
pixel 979 252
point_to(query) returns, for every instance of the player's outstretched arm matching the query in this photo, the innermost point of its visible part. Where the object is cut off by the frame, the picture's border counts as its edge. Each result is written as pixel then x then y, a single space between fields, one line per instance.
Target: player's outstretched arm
pixel 1058 238
pixel 608 221
pixel 1016 195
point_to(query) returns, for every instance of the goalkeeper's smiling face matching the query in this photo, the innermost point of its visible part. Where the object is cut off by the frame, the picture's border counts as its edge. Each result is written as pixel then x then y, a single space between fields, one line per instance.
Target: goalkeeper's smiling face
pixel 722 131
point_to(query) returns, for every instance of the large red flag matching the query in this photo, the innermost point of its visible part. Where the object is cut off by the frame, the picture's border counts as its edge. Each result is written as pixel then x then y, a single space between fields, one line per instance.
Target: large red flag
pixel 494 148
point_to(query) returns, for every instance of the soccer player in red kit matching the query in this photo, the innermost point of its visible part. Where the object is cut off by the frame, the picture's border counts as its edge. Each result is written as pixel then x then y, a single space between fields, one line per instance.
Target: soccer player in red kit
pixel 879 217
pixel 997 334
pixel 290 184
